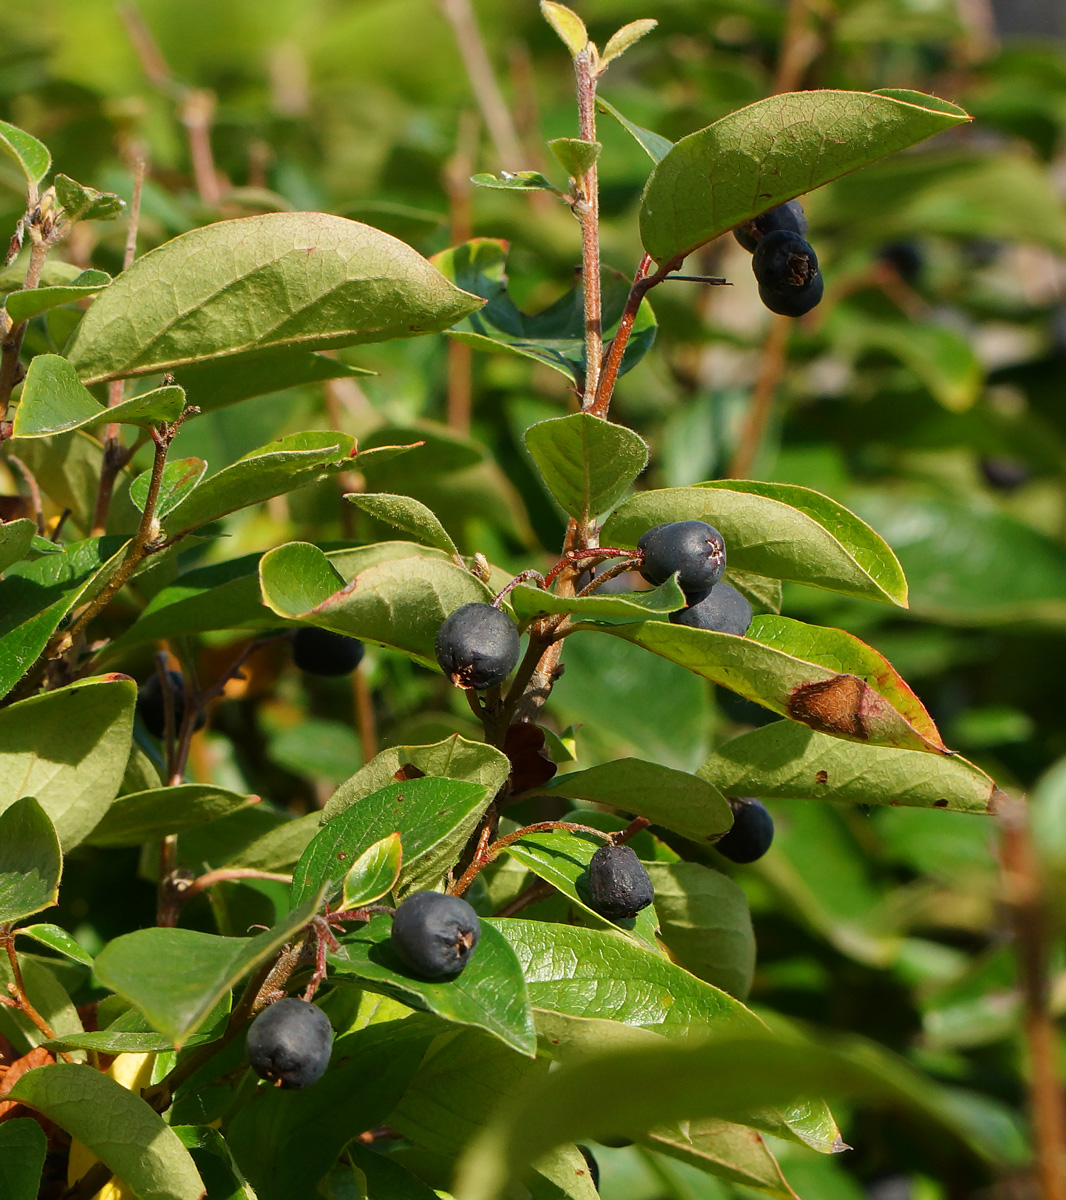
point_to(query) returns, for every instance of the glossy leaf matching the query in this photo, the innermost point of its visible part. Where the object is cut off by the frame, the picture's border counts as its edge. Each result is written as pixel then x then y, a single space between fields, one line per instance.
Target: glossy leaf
pixel 407 514
pixel 117 1126
pixel 31 861
pixel 771 151
pixel 68 748
pixel 788 761
pixel 16 538
pixel 587 463
pixel 258 283
pixel 488 994
pixel 373 874
pixel 31 156
pixel 530 602
pixel 176 977
pixel 179 479
pixel 55 938
pixel 400 604
pixel 148 816
pixel 453 758
pixel 778 530
pixel 23 1147
pixel 654 145
pixel 25 304
pixel 433 817
pixel 673 799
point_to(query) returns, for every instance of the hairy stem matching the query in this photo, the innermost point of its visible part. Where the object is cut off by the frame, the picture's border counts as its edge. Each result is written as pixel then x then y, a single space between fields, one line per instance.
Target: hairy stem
pixel 11 346
pixel 587 211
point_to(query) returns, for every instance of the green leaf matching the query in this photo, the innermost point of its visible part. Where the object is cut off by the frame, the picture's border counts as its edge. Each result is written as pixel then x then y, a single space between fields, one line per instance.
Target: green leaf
pixel 373 874
pixel 575 156
pixel 222 1177
pixel 515 181
pixel 673 799
pixel 400 604
pixel 453 758
pixel 567 24
pixel 730 1151
pixel 489 994
pixel 562 859
pixel 373 1174
pixel 407 514
pixel 29 302
pixel 55 938
pixel 620 41
pixel 54 400
pixel 148 816
pixel 36 596
pixel 15 540
pixel 68 748
pixel 788 761
pixel 258 283
pixel 705 923
pixel 116 1125
pixel 653 144
pixel 434 818
pixel 31 861
pixel 779 530
pixel 48 997
pixel 286 1141
pixel 587 463
pixel 179 479
pixel 130 1033
pixel 771 151
pixel 81 203
pixel 176 977
pixel 530 602
pixel 23 1148
pixel 32 157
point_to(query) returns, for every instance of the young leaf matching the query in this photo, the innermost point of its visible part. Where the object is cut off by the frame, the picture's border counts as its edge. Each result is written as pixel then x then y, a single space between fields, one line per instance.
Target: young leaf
pixel 407 514
pixel 81 203
pixel 28 303
pixel 373 874
pixel 23 1148
pixel 654 145
pixel 55 939
pixel 16 538
pixel 778 530
pixel 179 479
pixel 31 861
pixel 116 1125
pixel 567 24
pixel 575 156
pixel 618 43
pixel 68 748
pixel 515 181
pixel 489 994
pixel 789 761
pixel 587 463
pixel 176 977
pixel 32 157
pixel 771 151
pixel 147 816
pixel 673 799
pixel 258 283
pixel 530 602
pixel 433 817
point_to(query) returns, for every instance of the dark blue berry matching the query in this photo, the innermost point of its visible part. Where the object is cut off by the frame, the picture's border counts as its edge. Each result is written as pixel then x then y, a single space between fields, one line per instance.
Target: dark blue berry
pixel 693 549
pixel 1003 473
pixel 323 652
pixel 905 259
pixel 786 268
pixel 752 832
pixel 290 1041
pixel 723 609
pixel 788 216
pixel 618 885
pixel 477 646
pixel 435 935
pixel 150 704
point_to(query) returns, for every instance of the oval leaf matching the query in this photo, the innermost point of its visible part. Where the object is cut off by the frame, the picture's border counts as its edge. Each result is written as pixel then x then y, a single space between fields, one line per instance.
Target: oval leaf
pixel 29 302
pixel 147 816
pixel 374 873
pixel 31 861
pixel 56 939
pixel 23 1147
pixel 530 602
pixel 407 514
pixel 30 154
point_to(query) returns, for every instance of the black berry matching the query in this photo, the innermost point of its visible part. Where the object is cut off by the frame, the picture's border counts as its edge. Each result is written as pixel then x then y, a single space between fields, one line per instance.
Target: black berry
pixel 788 216
pixel 323 652
pixel 692 548
pixel 477 646
pixel 150 705
pixel 723 609
pixel 592 1164
pixel 786 267
pixel 904 258
pixel 752 832
pixel 618 884
pixel 435 935
pixel 290 1041
pixel 1003 473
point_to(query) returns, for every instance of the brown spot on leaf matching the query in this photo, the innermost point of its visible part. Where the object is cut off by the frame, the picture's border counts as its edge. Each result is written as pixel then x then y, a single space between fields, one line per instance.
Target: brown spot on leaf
pixel 831 706
pixel 822 777
pixel 408 772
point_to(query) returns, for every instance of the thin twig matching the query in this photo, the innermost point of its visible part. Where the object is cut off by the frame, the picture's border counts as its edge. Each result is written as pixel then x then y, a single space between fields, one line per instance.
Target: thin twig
pixel 540 890
pixel 611 573
pixel 488 854
pixel 34 490
pixel 771 368
pixel 18 990
pixel 226 875
pixel 11 346
pixel 587 210
pixel 365 721
pixel 460 167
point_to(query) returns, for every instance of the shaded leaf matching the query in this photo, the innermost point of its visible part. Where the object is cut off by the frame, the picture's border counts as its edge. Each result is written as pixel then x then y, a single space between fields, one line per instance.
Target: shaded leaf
pixel 16 538
pixel 130 1033
pixel 530 602
pixel 730 1151
pixel 31 861
pixel 147 816
pixel 23 1147
pixel 653 144
pixel 24 304
pixel 179 479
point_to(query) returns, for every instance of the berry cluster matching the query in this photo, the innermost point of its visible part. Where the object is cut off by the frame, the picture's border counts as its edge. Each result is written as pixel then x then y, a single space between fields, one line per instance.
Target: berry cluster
pixel 784 262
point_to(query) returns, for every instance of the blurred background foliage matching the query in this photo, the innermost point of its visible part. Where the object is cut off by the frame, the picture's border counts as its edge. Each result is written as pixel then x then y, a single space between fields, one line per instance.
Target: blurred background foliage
pixel 926 393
